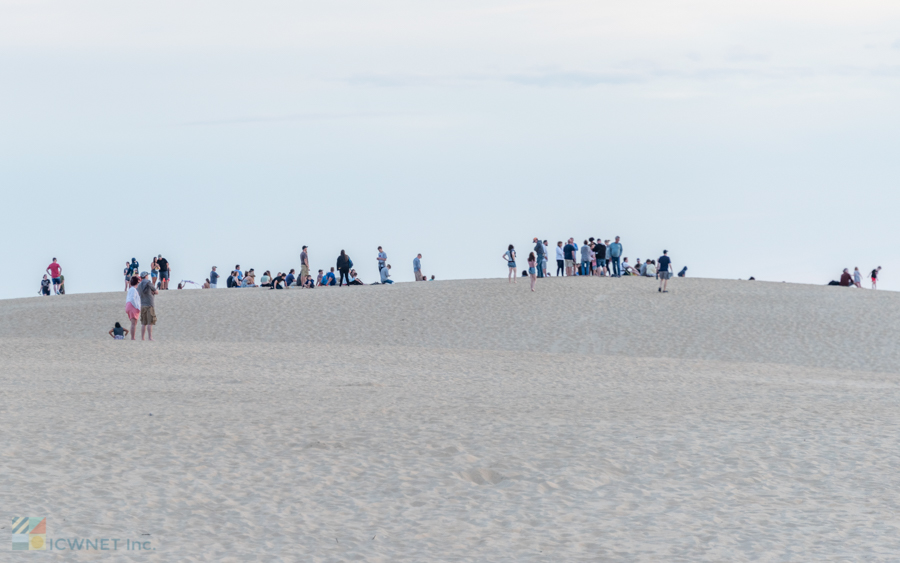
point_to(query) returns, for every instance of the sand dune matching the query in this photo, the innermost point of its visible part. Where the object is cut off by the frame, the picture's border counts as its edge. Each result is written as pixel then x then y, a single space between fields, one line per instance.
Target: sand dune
pixel 470 420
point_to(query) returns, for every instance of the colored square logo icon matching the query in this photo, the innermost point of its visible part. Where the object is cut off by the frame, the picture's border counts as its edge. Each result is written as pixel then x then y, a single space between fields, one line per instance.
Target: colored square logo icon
pixel 29 533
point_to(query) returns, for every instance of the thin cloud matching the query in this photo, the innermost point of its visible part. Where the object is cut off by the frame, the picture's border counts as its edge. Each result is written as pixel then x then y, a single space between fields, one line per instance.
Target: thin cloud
pixel 290 117
pixel 570 79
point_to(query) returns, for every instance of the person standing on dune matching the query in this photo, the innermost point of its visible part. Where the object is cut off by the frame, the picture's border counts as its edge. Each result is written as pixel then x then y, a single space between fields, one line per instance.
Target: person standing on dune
pixel 417 268
pixel 560 259
pixel 874 275
pixel 569 256
pixel 615 253
pixel 165 272
pixel 343 265
pixel 664 273
pixel 532 270
pixel 54 269
pixel 148 309
pixel 539 253
pixel 304 265
pixel 546 259
pixel 510 257
pixel 133 303
pixel 382 259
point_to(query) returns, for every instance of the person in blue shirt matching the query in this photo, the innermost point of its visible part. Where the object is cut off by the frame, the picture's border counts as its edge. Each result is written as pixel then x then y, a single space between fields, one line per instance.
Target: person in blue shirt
pixel 329 279
pixel 615 253
pixel 289 279
pixel 386 275
pixel 417 268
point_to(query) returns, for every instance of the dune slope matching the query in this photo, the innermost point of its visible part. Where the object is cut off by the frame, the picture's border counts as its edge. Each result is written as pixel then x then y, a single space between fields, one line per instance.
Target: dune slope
pixel 461 421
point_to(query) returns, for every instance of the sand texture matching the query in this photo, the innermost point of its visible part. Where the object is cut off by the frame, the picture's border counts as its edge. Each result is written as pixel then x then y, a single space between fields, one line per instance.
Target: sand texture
pixel 594 420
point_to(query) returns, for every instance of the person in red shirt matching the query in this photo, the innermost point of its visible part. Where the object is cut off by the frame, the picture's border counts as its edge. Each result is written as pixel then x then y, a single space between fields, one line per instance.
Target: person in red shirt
pixel 846 278
pixel 54 269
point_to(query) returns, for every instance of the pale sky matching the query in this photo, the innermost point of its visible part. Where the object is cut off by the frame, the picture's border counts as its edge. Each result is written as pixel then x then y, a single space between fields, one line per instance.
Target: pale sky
pixel 747 138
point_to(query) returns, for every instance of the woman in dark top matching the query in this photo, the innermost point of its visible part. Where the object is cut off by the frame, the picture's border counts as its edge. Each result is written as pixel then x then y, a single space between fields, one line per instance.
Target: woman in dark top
pixel 118 332
pixel 343 266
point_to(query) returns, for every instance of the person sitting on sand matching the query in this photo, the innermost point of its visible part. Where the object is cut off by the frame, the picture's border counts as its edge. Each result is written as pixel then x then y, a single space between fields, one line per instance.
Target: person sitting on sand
pixel 431 278
pixel 354 280
pixel 45 286
pixel 329 279
pixel 626 268
pixel 62 284
pixel 846 278
pixel 386 275
pixel 683 272
pixel 118 332
pixel 319 278
pixel 290 277
pixel 249 279
pixel 649 269
pixel 206 284
pixel 264 280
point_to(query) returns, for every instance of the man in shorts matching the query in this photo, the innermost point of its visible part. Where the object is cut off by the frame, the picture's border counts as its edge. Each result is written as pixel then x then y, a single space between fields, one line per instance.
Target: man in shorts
pixel 569 257
pixel 54 270
pixel 165 270
pixel 148 310
pixel 664 272
pixel 213 278
pixel 304 266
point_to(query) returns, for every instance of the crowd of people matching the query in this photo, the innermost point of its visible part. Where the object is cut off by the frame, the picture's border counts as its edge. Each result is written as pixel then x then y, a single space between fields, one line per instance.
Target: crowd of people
pixel 595 257
pixel 342 273
pixel 855 279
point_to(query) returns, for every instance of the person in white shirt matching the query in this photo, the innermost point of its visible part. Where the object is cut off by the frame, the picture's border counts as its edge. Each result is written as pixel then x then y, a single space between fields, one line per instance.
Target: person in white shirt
pixel 546 258
pixel 133 304
pixel 560 259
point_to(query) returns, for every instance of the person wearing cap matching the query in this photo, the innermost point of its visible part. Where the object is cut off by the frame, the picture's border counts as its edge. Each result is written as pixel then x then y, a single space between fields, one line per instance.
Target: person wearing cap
pixel 213 278
pixel 539 253
pixel 147 292
pixel 664 271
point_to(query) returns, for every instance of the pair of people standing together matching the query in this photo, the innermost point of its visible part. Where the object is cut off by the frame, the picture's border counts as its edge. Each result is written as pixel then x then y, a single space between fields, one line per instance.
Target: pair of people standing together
pixel 533 264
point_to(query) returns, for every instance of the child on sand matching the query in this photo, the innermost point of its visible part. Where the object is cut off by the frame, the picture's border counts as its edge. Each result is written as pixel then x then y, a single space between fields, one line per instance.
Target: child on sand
pixel 45 285
pixel 118 332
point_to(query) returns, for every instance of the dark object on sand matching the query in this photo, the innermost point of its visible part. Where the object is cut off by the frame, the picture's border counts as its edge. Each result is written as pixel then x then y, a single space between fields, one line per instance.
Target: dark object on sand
pixel 683 272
